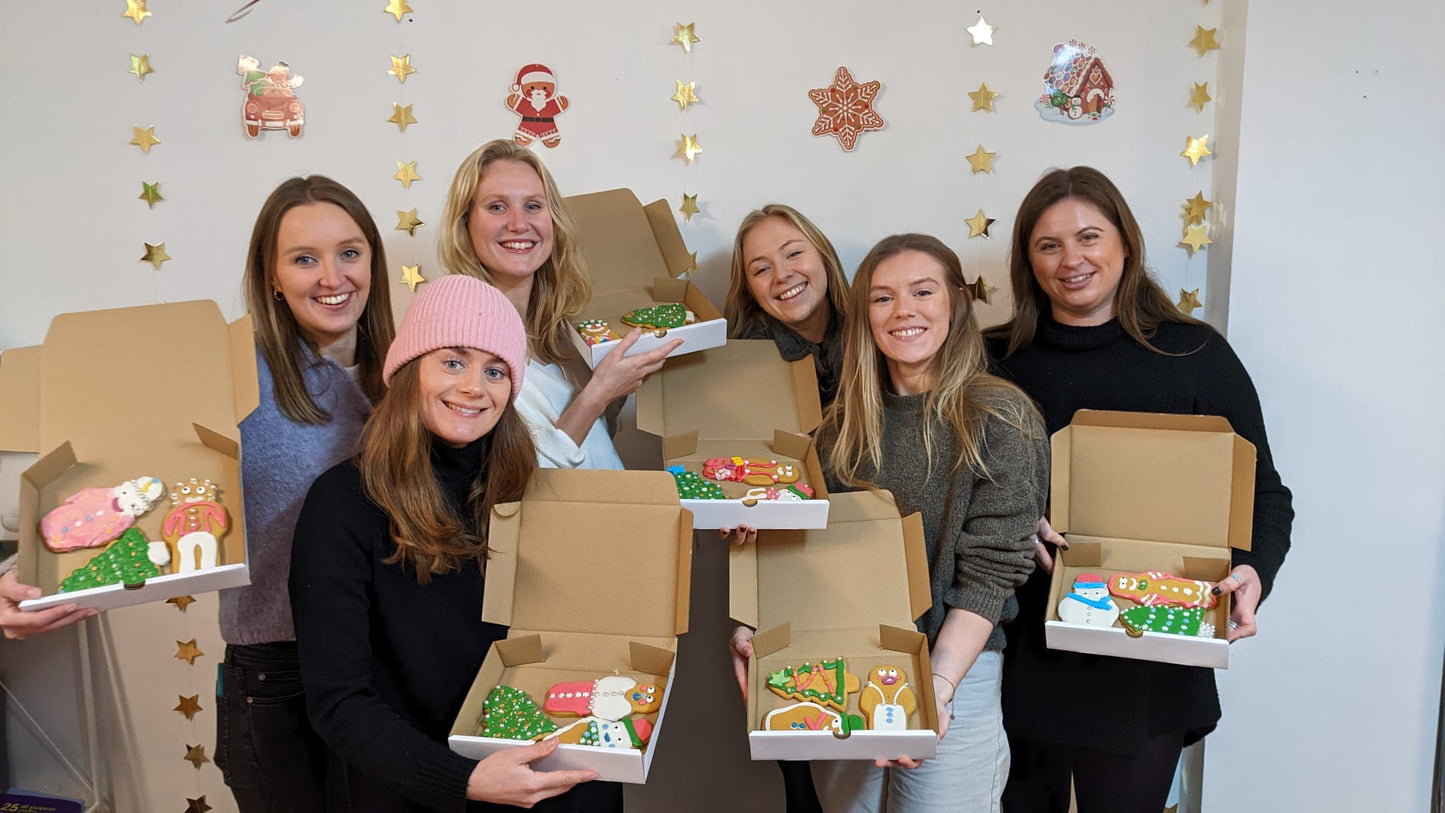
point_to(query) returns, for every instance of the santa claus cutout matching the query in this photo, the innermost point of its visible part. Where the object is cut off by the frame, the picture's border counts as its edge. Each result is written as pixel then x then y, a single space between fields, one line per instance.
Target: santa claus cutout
pixel 534 98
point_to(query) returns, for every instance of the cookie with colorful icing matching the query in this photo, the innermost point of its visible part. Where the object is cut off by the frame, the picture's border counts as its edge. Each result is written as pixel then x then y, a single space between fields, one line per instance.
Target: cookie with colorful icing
pixel 887 701
pixel 691 485
pixel 657 317
pixel 626 733
pixel 193 527
pixel 596 331
pixel 93 517
pixel 609 698
pixel 1089 603
pixel 1156 587
pixel 509 713
pixel 755 471
pixel 1187 621
pixel 809 716
pixel 793 492
pixel 126 562
pixel 825 682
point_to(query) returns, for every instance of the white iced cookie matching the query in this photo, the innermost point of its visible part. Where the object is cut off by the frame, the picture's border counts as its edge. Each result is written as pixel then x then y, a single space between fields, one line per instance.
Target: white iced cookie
pixel 1089 603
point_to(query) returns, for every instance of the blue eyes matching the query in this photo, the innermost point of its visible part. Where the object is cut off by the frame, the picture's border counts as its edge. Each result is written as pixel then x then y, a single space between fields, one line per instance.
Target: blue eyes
pixel 495 373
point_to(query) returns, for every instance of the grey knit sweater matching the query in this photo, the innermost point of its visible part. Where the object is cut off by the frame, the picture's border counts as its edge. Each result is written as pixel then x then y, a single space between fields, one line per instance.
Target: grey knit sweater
pixel 987 549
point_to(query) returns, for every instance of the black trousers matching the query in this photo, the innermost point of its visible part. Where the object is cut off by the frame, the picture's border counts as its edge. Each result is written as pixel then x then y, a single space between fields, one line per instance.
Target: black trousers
pixel 1103 782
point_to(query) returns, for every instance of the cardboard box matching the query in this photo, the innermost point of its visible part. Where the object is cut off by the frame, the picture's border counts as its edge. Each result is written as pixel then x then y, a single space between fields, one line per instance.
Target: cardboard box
pixel 591 570
pixel 852 589
pixel 1138 492
pixel 634 254
pixel 117 394
pixel 740 400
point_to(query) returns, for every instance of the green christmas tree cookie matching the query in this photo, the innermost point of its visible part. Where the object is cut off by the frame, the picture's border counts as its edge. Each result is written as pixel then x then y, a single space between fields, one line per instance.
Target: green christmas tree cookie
pixel 1173 620
pixel 672 314
pixel 692 486
pixel 126 561
pixel 508 713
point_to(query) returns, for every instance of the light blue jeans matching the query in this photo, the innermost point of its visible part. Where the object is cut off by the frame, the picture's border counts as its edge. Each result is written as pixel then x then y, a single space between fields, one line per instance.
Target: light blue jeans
pixel 967 776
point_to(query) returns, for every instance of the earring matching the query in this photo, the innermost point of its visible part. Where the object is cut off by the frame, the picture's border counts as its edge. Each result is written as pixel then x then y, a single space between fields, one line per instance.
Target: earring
pixel 276 295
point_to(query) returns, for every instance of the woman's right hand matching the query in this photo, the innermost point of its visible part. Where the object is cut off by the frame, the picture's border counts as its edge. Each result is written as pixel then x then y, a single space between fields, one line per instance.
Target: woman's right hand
pixel 1046 533
pixel 507 778
pixel 741 646
pixel 619 375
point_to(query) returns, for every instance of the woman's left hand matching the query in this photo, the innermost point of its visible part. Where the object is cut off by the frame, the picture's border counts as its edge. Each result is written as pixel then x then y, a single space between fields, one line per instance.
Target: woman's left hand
pixel 940 686
pixel 741 535
pixel 1244 585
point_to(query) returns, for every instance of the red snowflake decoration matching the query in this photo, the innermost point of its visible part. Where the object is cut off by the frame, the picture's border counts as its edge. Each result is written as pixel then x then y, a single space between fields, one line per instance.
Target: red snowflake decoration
pixel 846 109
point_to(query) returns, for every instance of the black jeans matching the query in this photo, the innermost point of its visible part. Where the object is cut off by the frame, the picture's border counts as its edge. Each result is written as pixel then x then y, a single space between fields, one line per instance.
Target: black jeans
pixel 1103 782
pixel 265 748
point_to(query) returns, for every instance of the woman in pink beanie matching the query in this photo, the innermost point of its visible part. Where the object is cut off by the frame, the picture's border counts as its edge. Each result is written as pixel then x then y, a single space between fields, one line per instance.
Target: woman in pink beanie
pixel 388 563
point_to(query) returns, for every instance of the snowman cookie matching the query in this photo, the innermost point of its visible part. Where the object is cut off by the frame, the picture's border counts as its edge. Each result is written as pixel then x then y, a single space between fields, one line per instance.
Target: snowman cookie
pixel 1089 603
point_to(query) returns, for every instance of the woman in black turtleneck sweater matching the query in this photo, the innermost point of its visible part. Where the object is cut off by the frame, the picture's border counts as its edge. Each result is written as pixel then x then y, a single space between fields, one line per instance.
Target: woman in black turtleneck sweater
pixel 1092 330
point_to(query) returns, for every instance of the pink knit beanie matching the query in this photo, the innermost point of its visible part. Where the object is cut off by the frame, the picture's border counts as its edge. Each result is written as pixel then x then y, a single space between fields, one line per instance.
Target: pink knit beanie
pixel 460 311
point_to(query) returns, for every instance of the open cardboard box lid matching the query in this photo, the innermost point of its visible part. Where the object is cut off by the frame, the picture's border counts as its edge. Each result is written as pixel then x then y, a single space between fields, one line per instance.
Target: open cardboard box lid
pixel 852 589
pixel 112 395
pixel 741 400
pixel 578 539
pixel 634 255
pixel 1142 491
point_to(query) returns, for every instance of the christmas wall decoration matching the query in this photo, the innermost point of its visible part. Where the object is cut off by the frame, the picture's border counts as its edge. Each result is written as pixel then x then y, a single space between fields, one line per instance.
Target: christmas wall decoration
pixel 270 101
pixel 1078 87
pixel 534 97
pixel 686 96
pixel 845 109
pixel 407 220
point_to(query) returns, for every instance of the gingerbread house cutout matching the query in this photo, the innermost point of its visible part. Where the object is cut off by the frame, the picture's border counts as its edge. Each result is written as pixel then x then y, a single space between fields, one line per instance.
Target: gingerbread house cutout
pixel 1078 87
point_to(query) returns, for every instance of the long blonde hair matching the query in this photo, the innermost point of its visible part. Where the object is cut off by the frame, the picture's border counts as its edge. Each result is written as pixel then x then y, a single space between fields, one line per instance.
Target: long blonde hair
pixel 560 288
pixel 963 395
pixel 741 308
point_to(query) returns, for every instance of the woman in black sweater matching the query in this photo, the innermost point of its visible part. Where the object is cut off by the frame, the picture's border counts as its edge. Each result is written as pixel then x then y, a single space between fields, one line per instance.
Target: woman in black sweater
pixel 1092 330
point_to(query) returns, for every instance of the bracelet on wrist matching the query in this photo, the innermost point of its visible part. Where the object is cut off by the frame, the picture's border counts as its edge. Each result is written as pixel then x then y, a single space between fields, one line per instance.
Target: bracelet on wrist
pixel 953 690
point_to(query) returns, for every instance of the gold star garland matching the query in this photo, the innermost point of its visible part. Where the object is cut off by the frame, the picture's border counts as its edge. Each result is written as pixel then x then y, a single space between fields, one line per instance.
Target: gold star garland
pixel 188 703
pixel 1196 209
pixel 685 35
pixel 407 220
pixel 980 161
pixel 145 137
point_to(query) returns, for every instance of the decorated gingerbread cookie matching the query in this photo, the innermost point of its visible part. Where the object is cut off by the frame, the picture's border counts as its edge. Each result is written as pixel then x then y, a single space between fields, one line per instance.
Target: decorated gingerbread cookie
pixel 1089 603
pixel 609 698
pixel 657 317
pixel 755 471
pixel 1173 620
pixel 794 492
pixel 887 700
pixel 599 733
pixel 825 682
pixel 509 714
pixel 809 716
pixel 194 526
pixel 596 331
pixel 691 485
pixel 93 517
pixel 1157 587
pixel 126 562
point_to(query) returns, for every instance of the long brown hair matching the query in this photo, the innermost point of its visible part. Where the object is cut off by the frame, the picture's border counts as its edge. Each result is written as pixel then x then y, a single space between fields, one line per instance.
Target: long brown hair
pixel 560 288
pixel 277 333
pixel 396 471
pixel 963 394
pixel 741 308
pixel 1140 304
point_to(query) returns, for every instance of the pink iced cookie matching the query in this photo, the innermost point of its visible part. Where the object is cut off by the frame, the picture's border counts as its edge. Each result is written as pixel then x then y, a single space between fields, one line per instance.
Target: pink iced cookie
pixel 610 698
pixel 93 517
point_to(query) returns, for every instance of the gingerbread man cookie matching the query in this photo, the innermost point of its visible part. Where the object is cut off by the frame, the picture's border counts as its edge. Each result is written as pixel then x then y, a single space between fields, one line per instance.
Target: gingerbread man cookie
pixel 609 698
pixel 825 682
pixel 1089 603
pixel 596 331
pixel 194 525
pixel 93 517
pixel 599 733
pixel 1157 587
pixel 887 700
pixel 755 471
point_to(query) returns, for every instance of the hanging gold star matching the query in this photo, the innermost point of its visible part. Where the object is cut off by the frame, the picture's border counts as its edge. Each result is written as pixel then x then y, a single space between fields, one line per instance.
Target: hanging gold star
pixel 406 173
pixel 1188 301
pixel 401 116
pixel 692 266
pixel 982 98
pixel 187 651
pixel 689 148
pixel 683 35
pixel 401 68
pixel 140 66
pixel 981 31
pixel 136 10
pixel 980 289
pixel 188 705
pixel 196 755
pixel 1204 39
pixel 411 276
pixel 686 94
pixel 181 602
pixel 978 224
pixel 1199 97
pixel 407 221
pixel 145 138
pixel 980 161
pixel 155 255
pixel 1196 148
pixel 197 805
pixel 1196 238
pixel 1196 208
pixel 397 9
pixel 689 206
pixel 151 193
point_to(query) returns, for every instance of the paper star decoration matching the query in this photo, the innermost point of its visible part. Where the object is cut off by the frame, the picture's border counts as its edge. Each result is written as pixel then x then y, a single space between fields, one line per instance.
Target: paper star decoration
pixel 397 9
pixel 981 161
pixel 1199 97
pixel 401 116
pixel 845 109
pixel 980 289
pixel 981 31
pixel 689 206
pixel 145 138
pixel 181 602
pixel 684 35
pixel 1196 238
pixel 689 148
pixel 155 255
pixel 1188 301
pixel 407 221
pixel 196 755
pixel 188 705
pixel 692 266
pixel 187 651
pixel 151 193
pixel 136 10
pixel 406 173
pixel 197 805
pixel 411 276
pixel 140 66
pixel 978 224
pixel 982 98
pixel 1204 41
pixel 686 94
pixel 401 68
pixel 1196 148
pixel 1196 208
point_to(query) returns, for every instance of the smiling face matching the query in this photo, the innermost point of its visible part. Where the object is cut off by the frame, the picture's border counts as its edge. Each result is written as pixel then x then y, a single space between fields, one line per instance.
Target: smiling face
pixel 323 270
pixel 1077 257
pixel 463 392
pixel 909 310
pixel 786 275
pixel 510 223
